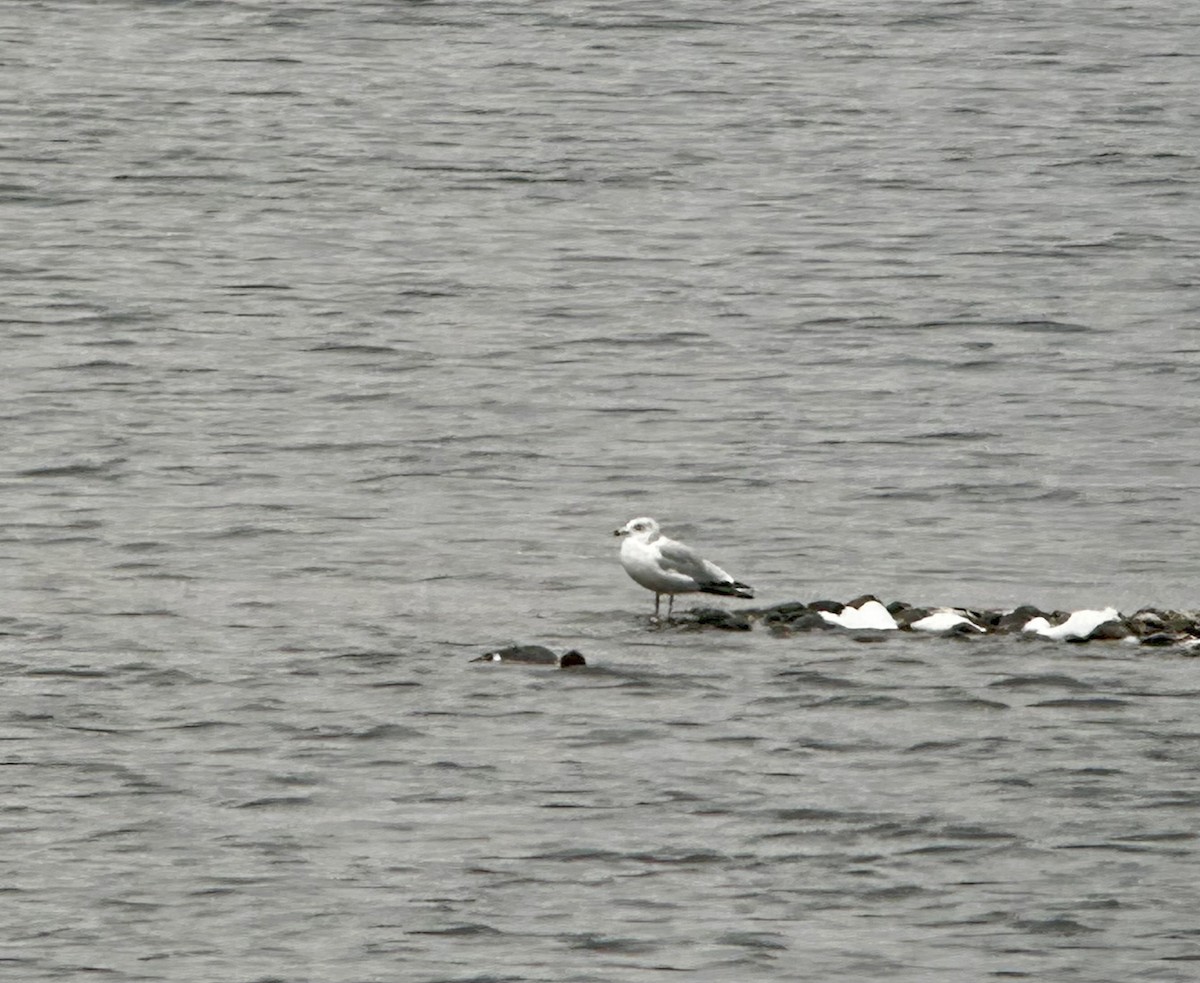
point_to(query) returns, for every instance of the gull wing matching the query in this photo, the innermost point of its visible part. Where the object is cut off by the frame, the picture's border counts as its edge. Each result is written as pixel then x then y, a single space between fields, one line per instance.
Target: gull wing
pixel 683 559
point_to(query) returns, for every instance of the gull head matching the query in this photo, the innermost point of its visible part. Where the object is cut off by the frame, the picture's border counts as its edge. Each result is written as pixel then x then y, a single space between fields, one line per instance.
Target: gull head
pixel 643 528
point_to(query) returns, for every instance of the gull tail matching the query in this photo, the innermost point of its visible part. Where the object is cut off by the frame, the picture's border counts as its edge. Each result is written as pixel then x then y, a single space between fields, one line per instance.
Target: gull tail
pixel 731 588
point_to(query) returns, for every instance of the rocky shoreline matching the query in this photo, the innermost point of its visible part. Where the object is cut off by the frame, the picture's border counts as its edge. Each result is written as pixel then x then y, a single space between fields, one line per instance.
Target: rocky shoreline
pixel 1147 626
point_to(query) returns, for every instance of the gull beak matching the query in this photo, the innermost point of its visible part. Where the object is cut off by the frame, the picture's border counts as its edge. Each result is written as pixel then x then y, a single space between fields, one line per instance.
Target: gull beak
pixel 619 532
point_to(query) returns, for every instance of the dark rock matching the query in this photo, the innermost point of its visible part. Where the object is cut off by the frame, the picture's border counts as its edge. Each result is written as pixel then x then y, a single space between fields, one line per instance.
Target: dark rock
pixel 717 618
pixel 833 607
pixel 1018 618
pixel 1147 622
pixel 989 619
pixel 862 599
pixel 1179 621
pixel 1149 625
pixel 1110 631
pixel 778 612
pixel 906 616
pixel 809 621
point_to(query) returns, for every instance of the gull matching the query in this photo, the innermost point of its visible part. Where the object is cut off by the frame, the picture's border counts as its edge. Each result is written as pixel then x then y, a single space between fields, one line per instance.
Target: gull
pixel 667 567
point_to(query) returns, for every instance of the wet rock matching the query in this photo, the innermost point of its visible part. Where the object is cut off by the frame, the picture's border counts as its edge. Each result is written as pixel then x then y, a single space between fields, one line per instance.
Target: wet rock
pixel 718 618
pixel 1147 622
pixel 1018 618
pixel 779 612
pixel 1110 631
pixel 1180 621
pixel 867 614
pixel 906 615
pixel 862 599
pixel 534 655
pixel 988 619
pixel 799 619
pixel 809 621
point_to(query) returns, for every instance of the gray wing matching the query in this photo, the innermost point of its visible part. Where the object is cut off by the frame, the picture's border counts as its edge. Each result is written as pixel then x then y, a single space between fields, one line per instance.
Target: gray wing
pixel 683 559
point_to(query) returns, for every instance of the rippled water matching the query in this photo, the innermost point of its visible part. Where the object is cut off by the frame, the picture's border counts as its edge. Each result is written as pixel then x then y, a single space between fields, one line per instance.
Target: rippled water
pixel 339 337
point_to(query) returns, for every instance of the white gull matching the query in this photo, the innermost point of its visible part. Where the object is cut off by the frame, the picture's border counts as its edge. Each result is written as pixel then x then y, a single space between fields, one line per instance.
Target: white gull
pixel 666 567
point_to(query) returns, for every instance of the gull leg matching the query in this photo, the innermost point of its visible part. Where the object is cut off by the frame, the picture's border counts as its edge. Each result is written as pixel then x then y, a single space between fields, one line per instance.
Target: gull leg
pixel 657 599
pixel 670 605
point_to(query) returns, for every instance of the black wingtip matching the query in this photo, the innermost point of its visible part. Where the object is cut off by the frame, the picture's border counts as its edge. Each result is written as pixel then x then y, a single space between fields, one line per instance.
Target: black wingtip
pixel 731 589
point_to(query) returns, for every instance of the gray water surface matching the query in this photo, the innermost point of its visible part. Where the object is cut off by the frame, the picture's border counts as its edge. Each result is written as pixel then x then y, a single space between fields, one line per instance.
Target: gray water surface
pixel 338 338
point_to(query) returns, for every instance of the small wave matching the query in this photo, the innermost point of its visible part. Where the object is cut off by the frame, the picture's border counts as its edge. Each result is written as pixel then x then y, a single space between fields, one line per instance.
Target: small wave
pixel 77 469
pixel 1084 703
